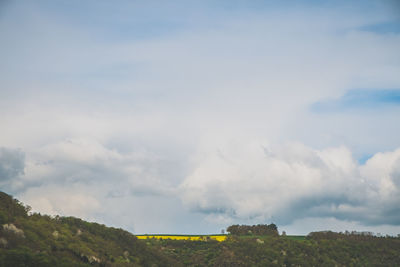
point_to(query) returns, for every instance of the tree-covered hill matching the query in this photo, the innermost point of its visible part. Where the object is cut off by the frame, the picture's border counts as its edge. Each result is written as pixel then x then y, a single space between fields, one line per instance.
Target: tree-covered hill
pixel 41 240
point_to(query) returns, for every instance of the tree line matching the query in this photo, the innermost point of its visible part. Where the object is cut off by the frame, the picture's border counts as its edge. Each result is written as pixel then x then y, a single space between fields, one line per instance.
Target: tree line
pixel 259 229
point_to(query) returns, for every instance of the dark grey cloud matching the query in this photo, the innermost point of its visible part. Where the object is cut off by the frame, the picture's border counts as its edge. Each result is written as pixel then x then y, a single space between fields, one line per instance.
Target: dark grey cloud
pixel 12 163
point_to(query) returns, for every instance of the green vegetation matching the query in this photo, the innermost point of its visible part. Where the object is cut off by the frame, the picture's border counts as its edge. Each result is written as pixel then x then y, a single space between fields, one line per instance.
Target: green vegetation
pixel 41 240
pixel 295 237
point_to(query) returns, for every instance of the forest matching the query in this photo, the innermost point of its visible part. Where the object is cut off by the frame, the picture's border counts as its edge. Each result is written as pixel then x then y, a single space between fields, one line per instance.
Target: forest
pixel 32 239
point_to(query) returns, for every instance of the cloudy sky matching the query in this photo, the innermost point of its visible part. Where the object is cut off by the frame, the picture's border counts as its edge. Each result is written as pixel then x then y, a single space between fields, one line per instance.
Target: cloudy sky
pixel 190 116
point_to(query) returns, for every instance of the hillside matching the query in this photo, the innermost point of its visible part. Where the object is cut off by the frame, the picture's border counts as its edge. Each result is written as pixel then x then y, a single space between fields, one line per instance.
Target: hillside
pixel 41 240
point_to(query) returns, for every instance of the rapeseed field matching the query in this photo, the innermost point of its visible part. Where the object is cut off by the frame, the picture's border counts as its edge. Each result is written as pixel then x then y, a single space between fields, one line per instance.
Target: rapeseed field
pixel 219 238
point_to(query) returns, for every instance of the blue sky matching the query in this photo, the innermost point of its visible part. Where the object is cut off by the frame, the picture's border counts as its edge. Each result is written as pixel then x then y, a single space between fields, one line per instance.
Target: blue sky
pixel 360 99
pixel 189 116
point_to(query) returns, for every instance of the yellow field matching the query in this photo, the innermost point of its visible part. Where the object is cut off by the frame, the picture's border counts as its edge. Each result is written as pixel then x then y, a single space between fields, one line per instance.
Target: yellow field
pixel 185 237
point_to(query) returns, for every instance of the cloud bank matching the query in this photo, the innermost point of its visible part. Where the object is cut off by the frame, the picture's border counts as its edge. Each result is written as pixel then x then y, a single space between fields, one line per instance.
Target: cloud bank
pixel 236 181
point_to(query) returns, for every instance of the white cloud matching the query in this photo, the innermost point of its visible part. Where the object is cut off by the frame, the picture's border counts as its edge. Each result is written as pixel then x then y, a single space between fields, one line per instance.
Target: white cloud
pixel 51 199
pixel 242 181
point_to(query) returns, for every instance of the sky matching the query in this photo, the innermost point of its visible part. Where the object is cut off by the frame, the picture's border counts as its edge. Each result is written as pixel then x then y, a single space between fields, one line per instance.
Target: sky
pixel 190 116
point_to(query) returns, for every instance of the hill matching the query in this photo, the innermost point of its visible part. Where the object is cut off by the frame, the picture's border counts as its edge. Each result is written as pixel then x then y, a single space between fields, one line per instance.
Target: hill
pixel 41 240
